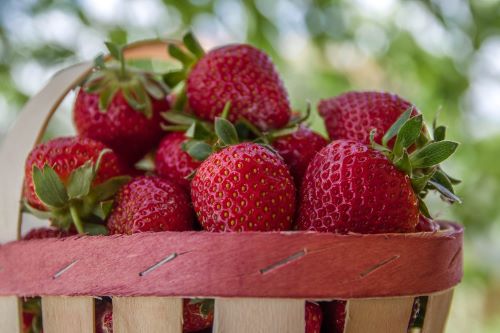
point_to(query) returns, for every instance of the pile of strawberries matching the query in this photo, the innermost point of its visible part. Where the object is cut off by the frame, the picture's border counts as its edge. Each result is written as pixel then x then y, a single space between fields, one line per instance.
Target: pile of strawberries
pixel 220 149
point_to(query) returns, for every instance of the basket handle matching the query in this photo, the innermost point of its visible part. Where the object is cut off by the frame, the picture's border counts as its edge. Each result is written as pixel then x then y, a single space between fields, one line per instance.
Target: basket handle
pixel 31 123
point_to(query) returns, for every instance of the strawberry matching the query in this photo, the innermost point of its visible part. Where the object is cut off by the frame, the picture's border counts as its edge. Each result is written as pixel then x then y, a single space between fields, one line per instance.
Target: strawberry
pixel 350 187
pixel 150 203
pixel 32 315
pixel 198 314
pixel 172 162
pixel 239 73
pixel 72 181
pixel 353 115
pixel 104 316
pixel 243 187
pixel 42 233
pixel 297 149
pixel 121 107
pixel 314 318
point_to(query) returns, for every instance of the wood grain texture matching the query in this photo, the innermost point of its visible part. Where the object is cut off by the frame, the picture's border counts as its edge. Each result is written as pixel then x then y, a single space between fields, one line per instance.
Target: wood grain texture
pixel 252 264
pixel 68 314
pixel 147 314
pixel 32 122
pixel 438 308
pixel 10 314
pixel 383 315
pixel 254 315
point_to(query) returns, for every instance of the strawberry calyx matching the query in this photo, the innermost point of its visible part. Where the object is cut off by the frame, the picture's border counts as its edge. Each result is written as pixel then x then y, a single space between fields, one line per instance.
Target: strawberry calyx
pixel 77 201
pixel 137 87
pixel 188 57
pixel 419 155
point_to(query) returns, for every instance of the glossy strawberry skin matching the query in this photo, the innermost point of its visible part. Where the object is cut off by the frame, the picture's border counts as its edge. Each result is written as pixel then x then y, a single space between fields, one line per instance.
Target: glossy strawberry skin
pixel 193 319
pixel 128 132
pixel 243 75
pixel 150 203
pixel 65 155
pixel 349 187
pixel 314 318
pixel 42 233
pixel 172 162
pixel 298 149
pixel 244 187
pixel 335 313
pixel 353 115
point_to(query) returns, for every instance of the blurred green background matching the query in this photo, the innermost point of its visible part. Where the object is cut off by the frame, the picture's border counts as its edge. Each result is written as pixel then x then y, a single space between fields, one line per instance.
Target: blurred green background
pixel 441 55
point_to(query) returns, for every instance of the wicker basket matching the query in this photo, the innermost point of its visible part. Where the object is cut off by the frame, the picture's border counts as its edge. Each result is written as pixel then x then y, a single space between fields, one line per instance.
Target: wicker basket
pixel 260 281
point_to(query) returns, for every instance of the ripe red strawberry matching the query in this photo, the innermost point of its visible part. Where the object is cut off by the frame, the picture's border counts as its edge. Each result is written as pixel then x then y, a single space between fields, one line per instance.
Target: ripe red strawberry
pixel 104 316
pixel 42 233
pixel 353 115
pixel 32 315
pixel 350 187
pixel 129 133
pixel 239 73
pixel 244 187
pixel 69 180
pixel 150 203
pixel 197 315
pixel 314 318
pixel 121 108
pixel 298 149
pixel 172 162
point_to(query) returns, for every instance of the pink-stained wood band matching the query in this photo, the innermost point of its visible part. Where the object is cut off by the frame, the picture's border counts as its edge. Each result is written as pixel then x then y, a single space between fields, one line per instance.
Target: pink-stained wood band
pixel 283 265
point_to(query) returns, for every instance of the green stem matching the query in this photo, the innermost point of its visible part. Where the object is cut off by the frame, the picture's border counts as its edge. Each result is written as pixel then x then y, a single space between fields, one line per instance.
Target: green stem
pixel 76 219
pixel 123 72
pixel 251 127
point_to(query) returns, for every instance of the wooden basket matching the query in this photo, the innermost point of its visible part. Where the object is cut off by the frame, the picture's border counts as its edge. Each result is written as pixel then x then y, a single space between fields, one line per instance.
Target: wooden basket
pixel 260 281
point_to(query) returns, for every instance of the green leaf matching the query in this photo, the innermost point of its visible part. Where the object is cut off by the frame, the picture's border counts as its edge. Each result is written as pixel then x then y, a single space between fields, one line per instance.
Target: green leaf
pixel 441 178
pixel 419 182
pixel 179 54
pixel 118 36
pixel 80 181
pixel 155 88
pixel 403 163
pixel 43 215
pixel 243 122
pixel 173 78
pixel 103 209
pixel 225 110
pixel 423 208
pixel 98 161
pixel 49 188
pixel 193 45
pixel 198 131
pixel 96 82
pixel 174 128
pixel 445 192
pixel 178 117
pixel 225 131
pixel 375 145
pixel 394 129
pixel 115 50
pixel 408 134
pixel 106 96
pixel 108 189
pixel 99 61
pixel 439 133
pixel 200 151
pixel 432 154
pixel 95 229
